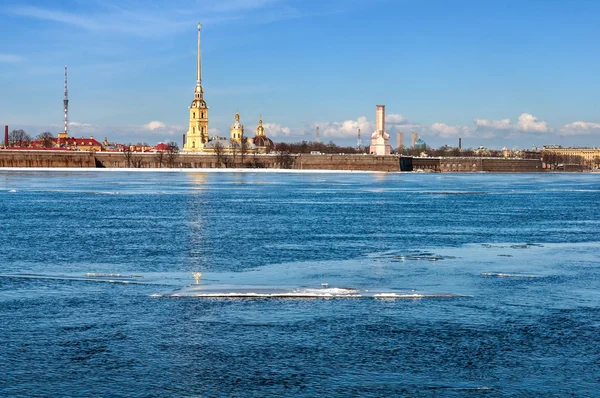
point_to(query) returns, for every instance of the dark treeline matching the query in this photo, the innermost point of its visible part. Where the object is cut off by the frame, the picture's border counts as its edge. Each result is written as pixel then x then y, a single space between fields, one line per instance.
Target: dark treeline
pixel 313 146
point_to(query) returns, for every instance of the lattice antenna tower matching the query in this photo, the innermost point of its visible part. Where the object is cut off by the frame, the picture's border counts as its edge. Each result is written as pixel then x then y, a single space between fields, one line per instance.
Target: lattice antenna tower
pixel 358 141
pixel 317 135
pixel 66 105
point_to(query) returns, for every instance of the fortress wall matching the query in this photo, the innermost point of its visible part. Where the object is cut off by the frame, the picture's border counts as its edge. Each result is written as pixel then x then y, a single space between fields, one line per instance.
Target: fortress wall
pixel 182 160
pixel 347 162
pixel 494 165
pixel 499 165
pixel 21 158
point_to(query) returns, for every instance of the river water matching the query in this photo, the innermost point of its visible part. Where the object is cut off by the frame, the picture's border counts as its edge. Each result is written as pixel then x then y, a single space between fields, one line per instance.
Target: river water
pixel 494 279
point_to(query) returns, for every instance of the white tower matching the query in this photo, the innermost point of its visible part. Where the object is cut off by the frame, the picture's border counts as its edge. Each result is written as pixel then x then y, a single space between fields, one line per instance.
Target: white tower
pixel 380 140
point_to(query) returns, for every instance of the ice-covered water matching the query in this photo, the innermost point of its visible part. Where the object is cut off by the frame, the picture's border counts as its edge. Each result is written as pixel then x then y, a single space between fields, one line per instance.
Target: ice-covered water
pixel 312 284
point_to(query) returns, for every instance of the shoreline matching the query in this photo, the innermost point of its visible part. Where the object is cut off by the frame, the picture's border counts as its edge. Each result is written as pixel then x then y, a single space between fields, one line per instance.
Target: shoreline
pixel 196 170
pixel 265 170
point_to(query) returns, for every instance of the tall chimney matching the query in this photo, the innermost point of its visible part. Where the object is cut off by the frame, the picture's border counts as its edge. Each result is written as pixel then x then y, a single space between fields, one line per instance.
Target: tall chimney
pixel 183 140
pixel 400 141
pixel 413 138
pixel 6 136
pixel 459 143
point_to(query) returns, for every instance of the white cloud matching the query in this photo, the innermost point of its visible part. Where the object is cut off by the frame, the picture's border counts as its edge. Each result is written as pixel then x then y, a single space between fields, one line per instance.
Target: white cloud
pixel 525 123
pixel 347 128
pixel 155 19
pixel 154 125
pixel 79 125
pixel 395 118
pixel 530 123
pixel 277 130
pixel 445 131
pixel 503 124
pixel 580 128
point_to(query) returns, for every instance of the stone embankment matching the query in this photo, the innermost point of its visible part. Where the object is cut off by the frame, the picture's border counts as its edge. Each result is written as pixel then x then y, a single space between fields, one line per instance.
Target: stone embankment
pixel 53 158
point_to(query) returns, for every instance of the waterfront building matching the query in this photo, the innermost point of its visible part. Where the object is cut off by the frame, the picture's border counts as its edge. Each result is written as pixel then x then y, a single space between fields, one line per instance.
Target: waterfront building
pixel 590 156
pixel 380 140
pixel 197 135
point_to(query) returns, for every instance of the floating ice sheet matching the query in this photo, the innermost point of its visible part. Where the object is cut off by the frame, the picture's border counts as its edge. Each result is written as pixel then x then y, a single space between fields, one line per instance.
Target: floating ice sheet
pixel 232 291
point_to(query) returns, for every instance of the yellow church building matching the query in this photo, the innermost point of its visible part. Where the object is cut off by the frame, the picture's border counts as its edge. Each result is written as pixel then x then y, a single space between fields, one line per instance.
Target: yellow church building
pixel 197 139
pixel 197 135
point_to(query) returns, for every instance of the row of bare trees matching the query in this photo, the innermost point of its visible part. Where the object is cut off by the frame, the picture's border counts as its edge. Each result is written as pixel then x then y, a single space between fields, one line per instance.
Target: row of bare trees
pixel 166 157
pixel 235 156
pixel 21 139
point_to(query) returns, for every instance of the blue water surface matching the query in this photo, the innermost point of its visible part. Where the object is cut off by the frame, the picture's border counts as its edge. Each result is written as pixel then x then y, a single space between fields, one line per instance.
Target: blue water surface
pixel 519 254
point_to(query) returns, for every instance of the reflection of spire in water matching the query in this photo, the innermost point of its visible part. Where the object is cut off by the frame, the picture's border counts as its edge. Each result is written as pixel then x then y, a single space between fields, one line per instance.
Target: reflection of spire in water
pixel 198 178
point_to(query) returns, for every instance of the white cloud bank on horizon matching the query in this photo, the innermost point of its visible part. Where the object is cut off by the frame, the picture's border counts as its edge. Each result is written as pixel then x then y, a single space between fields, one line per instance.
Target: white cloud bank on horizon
pixel 580 128
pixel 526 125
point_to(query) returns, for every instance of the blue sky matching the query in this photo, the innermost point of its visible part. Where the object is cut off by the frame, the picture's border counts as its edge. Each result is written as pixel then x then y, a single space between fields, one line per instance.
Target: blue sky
pixel 497 73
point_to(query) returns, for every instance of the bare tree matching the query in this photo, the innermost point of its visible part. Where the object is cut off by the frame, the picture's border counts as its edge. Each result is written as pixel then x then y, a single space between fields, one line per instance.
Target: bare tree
pixel 19 138
pixel 46 139
pixel 218 147
pixel 243 149
pixel 235 147
pixel 172 153
pixel 285 160
pixel 130 158
pixel 159 157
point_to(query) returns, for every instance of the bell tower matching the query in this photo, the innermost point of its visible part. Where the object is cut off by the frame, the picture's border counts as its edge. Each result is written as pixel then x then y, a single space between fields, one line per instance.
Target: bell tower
pixel 197 134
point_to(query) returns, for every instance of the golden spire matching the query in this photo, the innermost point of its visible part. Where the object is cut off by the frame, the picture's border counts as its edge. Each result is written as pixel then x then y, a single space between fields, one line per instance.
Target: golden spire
pixel 260 130
pixel 199 65
pixel 237 116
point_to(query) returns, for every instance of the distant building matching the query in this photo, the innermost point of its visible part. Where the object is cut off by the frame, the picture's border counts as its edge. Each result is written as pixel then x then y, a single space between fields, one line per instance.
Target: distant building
pixel 77 144
pixel 380 140
pixel 420 144
pixel 590 156
pixel 413 139
pixel 399 141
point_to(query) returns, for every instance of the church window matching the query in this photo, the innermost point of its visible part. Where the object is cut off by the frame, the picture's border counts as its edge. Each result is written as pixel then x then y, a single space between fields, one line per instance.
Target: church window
pixel 194 115
pixel 193 144
pixel 202 115
pixel 193 130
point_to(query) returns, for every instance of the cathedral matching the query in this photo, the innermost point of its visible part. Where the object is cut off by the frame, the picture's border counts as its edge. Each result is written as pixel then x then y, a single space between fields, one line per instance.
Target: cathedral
pixel 238 141
pixel 197 139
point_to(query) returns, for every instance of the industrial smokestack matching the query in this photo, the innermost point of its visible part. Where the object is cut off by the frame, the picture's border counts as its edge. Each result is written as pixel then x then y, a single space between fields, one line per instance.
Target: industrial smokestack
pixel 459 143
pixel 183 140
pixel 413 138
pixel 400 141
pixel 6 136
